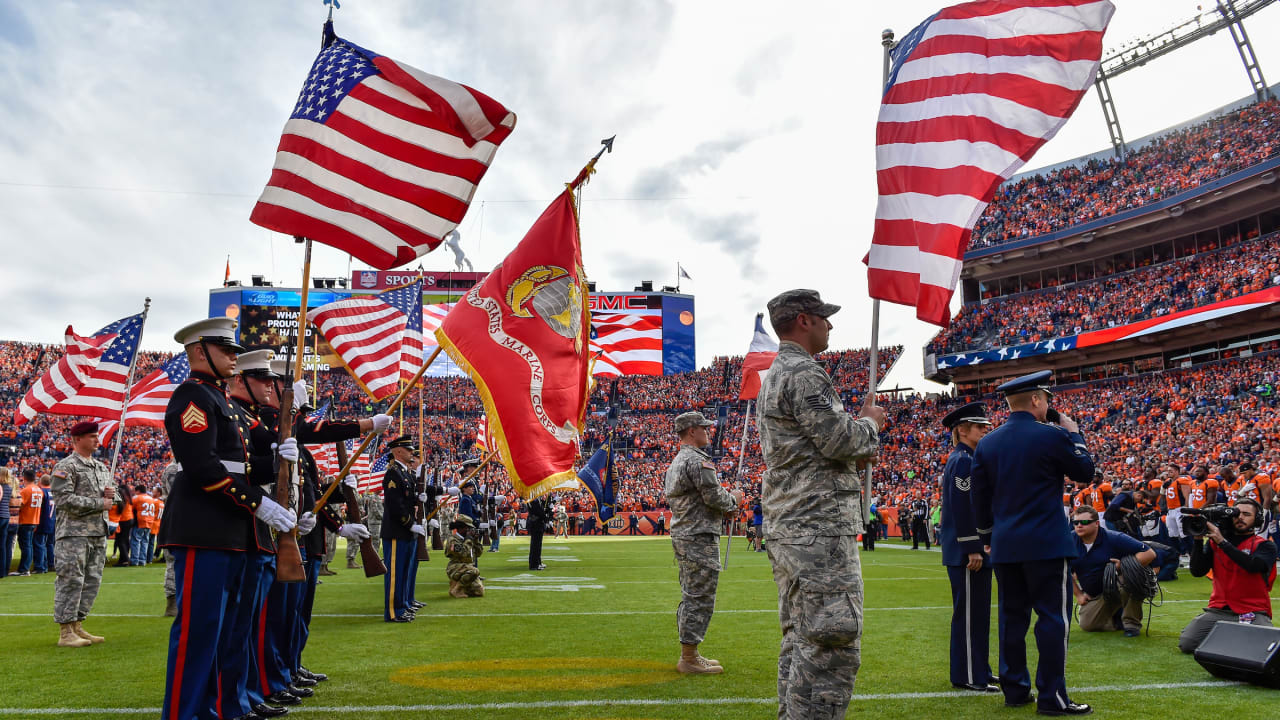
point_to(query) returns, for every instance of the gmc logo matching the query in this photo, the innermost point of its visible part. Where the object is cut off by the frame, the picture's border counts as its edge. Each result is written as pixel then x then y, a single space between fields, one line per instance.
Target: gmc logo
pixel 618 302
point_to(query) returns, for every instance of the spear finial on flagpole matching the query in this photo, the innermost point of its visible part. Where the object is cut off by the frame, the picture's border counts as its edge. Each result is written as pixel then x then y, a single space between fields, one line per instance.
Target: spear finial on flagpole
pixel 590 167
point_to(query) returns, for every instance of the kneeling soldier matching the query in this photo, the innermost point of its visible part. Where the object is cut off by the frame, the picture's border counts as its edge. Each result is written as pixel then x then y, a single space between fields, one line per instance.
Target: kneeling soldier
pixel 463 549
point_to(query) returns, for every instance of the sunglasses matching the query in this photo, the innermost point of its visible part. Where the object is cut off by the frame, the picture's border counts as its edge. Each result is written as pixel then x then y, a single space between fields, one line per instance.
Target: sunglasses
pixel 1081 523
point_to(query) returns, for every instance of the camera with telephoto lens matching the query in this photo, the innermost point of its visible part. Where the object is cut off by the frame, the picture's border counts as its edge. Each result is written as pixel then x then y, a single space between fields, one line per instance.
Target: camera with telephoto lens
pixel 1195 521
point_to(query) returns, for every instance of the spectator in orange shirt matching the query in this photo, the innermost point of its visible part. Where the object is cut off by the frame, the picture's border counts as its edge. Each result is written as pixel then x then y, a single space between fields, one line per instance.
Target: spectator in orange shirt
pixel 152 554
pixel 144 510
pixel 122 513
pixel 31 499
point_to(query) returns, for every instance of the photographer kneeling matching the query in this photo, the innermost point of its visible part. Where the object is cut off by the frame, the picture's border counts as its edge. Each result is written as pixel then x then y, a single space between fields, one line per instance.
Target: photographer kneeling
pixel 1243 564
pixel 1097 548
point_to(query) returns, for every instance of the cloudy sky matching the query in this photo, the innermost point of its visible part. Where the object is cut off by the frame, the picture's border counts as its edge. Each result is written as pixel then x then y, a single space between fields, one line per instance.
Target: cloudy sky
pixel 135 137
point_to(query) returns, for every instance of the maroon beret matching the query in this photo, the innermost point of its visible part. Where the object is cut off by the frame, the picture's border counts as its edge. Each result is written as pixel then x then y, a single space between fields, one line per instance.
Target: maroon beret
pixel 84 427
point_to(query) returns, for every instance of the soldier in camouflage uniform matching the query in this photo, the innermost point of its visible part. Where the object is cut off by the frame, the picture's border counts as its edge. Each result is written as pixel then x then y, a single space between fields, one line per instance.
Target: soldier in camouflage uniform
pixel 170 584
pixel 371 510
pixel 813 451
pixel 463 550
pixel 698 506
pixel 82 492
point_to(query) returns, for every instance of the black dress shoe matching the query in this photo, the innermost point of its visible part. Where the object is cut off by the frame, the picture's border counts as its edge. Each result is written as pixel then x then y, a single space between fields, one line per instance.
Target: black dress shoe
pixel 266 711
pixel 976 688
pixel 283 698
pixel 1070 709
pixel 250 716
pixel 1030 698
pixel 304 682
pixel 417 605
pixel 301 692
pixel 318 677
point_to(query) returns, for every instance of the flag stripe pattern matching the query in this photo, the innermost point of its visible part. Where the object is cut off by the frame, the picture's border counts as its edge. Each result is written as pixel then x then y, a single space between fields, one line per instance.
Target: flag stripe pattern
pixel 973 93
pixel 378 338
pixel 758 360
pixel 628 343
pixel 90 378
pixel 150 396
pixel 379 159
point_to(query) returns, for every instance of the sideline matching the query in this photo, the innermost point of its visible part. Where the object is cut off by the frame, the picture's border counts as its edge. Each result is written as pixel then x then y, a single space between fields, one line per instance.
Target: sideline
pixel 641 702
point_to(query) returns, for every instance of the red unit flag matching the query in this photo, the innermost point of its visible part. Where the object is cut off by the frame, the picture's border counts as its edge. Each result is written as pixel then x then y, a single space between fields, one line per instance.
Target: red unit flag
pixel 523 337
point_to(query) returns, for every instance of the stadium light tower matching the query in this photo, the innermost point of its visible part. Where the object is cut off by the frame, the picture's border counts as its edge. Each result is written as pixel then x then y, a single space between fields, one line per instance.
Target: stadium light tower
pixel 1228 14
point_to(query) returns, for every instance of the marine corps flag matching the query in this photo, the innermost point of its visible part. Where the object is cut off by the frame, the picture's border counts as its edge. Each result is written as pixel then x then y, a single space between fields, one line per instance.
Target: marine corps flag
pixel 523 336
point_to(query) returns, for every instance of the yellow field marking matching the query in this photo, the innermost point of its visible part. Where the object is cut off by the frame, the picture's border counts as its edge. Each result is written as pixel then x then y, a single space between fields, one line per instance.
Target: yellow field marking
pixel 526 674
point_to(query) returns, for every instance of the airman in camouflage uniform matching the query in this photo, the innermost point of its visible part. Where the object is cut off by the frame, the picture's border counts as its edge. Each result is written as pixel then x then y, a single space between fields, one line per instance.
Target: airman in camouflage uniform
pixel 698 506
pixel 170 583
pixel 463 551
pixel 812 509
pixel 82 492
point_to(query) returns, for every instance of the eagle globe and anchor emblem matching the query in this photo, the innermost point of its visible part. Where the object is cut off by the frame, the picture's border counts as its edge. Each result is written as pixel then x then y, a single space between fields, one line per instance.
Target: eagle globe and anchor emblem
pixel 552 294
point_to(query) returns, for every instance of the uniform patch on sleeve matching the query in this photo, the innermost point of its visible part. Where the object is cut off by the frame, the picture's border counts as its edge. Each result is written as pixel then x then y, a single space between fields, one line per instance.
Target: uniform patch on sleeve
pixel 59 473
pixel 819 401
pixel 709 466
pixel 962 484
pixel 194 419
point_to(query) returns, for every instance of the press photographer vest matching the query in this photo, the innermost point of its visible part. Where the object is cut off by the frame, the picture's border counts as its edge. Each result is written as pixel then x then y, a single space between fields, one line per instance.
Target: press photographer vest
pixel 1237 588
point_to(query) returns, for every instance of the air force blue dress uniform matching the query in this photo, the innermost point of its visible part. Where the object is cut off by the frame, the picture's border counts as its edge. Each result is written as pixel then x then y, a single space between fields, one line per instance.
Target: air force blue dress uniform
pixel 1016 490
pixel 970 589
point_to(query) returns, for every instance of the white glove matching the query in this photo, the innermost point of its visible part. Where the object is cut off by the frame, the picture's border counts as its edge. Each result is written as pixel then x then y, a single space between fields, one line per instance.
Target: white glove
pixel 484 526
pixel 350 481
pixel 434 524
pixel 422 497
pixel 306 523
pixel 280 518
pixel 300 397
pixel 287 449
pixel 381 422
pixel 418 530
pixel 454 491
pixel 354 532
pixel 112 527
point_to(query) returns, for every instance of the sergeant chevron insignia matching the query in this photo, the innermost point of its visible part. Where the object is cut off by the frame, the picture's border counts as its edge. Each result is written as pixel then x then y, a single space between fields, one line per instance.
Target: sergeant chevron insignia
pixel 194 419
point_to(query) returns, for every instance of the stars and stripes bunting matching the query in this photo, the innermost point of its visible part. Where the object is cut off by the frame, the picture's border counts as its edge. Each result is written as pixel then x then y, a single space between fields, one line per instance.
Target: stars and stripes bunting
pixel 90 378
pixel 379 159
pixel 974 91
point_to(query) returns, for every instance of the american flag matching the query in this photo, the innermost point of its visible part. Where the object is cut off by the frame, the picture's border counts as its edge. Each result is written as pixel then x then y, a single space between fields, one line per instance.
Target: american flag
pixel 326 457
pixel 378 337
pixel 150 396
pixel 483 441
pixel 89 379
pixel 379 159
pixel 444 366
pixel 973 93
pixel 372 482
pixel 628 343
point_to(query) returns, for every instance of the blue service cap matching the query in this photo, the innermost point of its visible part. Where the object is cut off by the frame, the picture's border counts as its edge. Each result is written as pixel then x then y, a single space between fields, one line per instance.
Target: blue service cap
pixel 1027 383
pixel 974 412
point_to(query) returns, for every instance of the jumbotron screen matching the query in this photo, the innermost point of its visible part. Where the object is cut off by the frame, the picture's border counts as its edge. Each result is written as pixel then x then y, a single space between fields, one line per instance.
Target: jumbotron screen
pixel 633 333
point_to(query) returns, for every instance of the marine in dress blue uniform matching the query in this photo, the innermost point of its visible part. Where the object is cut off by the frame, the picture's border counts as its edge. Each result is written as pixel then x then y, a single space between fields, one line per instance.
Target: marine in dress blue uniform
pixel 399 546
pixel 967 564
pixel 210 521
pixel 1016 488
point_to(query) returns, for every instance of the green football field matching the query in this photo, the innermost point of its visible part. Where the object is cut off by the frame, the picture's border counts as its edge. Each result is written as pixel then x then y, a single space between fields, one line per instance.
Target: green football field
pixel 593 636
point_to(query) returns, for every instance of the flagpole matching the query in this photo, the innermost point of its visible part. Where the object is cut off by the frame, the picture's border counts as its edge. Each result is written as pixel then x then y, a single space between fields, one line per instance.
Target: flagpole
pixel 677 277
pixel 364 444
pixel 128 389
pixel 742 449
pixel 886 41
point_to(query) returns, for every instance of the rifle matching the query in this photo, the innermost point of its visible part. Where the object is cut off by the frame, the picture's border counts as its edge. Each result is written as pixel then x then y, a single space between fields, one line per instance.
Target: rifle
pixel 369 557
pixel 418 513
pixel 288 558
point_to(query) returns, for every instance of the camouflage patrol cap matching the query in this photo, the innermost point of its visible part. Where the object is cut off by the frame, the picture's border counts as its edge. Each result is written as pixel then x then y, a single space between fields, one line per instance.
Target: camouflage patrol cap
pixel 684 421
pixel 787 305
pixel 464 520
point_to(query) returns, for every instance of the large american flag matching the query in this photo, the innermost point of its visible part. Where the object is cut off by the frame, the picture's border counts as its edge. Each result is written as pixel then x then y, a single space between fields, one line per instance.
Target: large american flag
pixel 973 93
pixel 326 457
pixel 150 396
pixel 373 481
pixel 444 366
pixel 379 159
pixel 90 378
pixel 627 343
pixel 378 337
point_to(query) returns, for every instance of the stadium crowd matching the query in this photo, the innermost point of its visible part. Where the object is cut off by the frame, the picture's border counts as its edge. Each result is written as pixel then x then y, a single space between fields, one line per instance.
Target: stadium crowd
pixel 1125 297
pixel 1172 163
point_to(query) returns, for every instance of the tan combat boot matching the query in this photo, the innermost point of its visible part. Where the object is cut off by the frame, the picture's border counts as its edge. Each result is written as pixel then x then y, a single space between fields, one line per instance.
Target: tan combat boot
pixel 351 564
pixel 692 663
pixel 477 589
pixel 78 628
pixel 67 637
pixel 455 589
pixel 171 606
pixel 709 661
